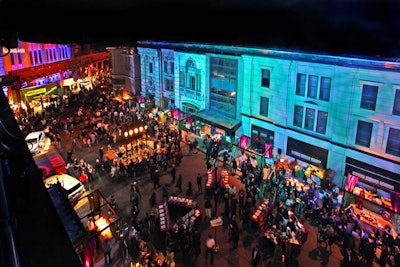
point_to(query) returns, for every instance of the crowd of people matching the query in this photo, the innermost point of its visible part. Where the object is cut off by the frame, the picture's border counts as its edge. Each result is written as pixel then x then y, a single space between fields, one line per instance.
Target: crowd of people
pixel 102 119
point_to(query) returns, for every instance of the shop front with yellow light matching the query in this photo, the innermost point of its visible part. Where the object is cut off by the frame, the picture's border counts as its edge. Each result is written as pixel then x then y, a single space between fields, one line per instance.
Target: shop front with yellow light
pixel 134 133
pixel 100 219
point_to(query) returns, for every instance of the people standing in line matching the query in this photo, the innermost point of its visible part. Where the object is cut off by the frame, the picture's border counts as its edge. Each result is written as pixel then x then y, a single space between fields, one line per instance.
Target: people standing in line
pixel 210 244
pixel 199 183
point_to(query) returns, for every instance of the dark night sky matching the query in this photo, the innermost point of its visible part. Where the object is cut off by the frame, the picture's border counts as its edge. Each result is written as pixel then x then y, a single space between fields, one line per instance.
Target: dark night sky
pixel 352 27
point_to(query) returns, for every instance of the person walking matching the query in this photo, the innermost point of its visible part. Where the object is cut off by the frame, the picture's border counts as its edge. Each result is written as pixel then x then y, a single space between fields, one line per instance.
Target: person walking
pixel 179 183
pixel 199 183
pixel 208 206
pixel 107 250
pixel 234 232
pixel 190 144
pixel 173 173
pixel 255 256
pixel 189 191
pixel 210 244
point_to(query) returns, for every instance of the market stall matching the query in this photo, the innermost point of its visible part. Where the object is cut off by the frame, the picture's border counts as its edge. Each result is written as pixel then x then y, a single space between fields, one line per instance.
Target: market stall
pixel 262 211
pixel 163 215
pixel 210 180
pixel 374 204
pixel 225 178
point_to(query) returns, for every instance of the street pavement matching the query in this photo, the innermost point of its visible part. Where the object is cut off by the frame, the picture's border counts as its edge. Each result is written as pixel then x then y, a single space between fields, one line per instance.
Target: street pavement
pixel 189 168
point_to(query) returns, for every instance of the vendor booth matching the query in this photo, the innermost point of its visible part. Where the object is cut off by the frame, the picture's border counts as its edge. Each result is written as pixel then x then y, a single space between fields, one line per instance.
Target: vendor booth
pixel 242 152
pixel 210 180
pixel 378 207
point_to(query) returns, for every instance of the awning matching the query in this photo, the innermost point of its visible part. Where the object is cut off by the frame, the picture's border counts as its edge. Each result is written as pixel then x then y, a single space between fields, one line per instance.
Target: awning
pixel 219 121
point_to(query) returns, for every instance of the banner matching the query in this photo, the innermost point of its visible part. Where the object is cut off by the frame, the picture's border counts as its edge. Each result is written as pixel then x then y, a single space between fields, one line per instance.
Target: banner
pixel 268 151
pixel 351 182
pixel 244 141
pixel 395 199
pixel 175 114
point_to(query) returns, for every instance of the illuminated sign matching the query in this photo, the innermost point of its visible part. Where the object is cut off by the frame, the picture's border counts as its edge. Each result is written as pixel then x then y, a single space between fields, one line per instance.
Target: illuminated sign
pixel 17 50
pixel 7 50
pixel 36 92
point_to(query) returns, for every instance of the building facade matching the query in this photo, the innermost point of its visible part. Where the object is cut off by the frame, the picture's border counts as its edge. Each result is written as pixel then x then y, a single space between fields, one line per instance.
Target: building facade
pixel 125 69
pixel 334 113
pixel 36 67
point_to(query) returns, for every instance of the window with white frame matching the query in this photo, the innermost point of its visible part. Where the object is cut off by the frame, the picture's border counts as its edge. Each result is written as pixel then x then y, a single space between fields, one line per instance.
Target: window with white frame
pixel 322 119
pixel 312 89
pixel 265 77
pixel 310 119
pixel 264 106
pixel 313 86
pixel 150 67
pixel 325 88
pixel 369 96
pixel 189 80
pixel 393 142
pixel 301 84
pixel 298 116
pixel 396 104
pixel 364 133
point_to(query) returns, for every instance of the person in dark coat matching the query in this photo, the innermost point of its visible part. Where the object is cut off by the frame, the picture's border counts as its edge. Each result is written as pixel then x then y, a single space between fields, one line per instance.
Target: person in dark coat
pixel 173 173
pixel 179 183
pixel 255 256
pixel 199 183
pixel 234 232
pixel 384 258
